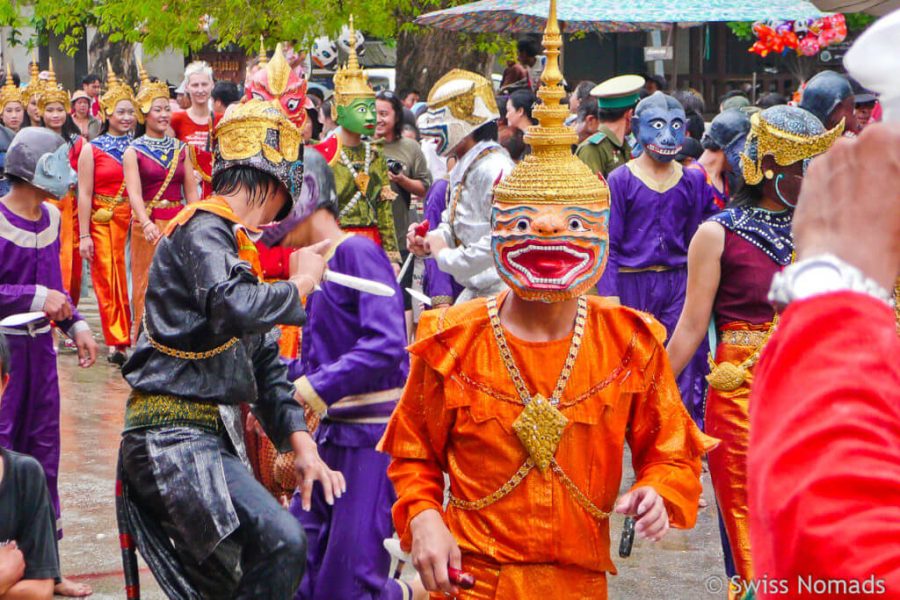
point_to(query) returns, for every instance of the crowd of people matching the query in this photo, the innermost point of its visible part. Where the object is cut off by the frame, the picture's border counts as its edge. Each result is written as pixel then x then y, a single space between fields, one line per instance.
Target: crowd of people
pixel 538 276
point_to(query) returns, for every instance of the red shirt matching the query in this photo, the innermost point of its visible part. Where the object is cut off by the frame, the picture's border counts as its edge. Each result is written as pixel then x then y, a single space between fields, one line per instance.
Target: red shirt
pixel 197 135
pixel 824 458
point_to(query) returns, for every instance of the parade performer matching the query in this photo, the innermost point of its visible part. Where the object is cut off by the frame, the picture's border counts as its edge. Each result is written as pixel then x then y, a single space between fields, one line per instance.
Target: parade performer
pixel 731 262
pixel 829 96
pixel 206 345
pixel 12 104
pixel 580 377
pixel 720 162
pixel 352 367
pixel 275 80
pixel 54 107
pixel 360 171
pixel 104 215
pixel 159 179
pixel 38 168
pixel 195 125
pixel 32 91
pixel 607 118
pixel 437 285
pixel 656 207
pixel 462 114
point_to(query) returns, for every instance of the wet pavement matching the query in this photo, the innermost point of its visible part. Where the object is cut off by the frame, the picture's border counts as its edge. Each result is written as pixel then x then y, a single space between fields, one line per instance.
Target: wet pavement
pixel 683 566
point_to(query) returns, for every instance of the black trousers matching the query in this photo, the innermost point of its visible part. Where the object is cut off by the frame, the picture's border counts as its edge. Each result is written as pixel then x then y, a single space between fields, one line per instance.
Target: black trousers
pixel 177 487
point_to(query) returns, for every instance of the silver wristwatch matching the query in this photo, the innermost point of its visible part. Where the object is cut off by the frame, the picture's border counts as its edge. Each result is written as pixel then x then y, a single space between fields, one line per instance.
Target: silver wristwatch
pixel 821 275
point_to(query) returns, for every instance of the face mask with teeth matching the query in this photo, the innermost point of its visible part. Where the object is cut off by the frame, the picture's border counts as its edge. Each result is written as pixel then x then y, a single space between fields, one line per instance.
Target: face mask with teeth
pixel 659 126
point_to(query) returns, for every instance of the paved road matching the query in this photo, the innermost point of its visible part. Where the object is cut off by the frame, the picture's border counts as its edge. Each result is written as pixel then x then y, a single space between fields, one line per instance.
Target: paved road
pixel 93 403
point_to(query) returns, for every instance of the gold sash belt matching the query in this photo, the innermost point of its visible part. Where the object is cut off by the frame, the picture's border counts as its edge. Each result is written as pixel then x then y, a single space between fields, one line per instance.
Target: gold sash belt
pixel 743 337
pixel 653 269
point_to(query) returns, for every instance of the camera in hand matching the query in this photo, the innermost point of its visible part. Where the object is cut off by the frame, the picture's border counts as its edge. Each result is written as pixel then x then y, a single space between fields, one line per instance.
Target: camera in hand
pixel 394 166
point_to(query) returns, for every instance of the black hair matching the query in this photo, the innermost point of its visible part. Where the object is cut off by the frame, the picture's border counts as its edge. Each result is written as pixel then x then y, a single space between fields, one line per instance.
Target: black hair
pixel 404 93
pixel 515 145
pixel 746 194
pixel 17 81
pixel 258 185
pixel 486 133
pixel 4 356
pixel 709 144
pixel 694 125
pixel 90 78
pixel 524 99
pixel 690 101
pixel 326 108
pixel 731 94
pixel 226 92
pixel 312 115
pixel 314 91
pixel 412 128
pixel 588 108
pixel 659 80
pixel 69 128
pixel 527 47
pixel 771 99
pixel 583 90
pixel 396 107
pixel 14 180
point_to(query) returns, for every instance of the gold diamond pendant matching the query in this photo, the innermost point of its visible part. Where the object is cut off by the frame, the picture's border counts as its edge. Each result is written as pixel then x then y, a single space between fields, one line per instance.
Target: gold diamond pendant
pixel 540 427
pixel 362 182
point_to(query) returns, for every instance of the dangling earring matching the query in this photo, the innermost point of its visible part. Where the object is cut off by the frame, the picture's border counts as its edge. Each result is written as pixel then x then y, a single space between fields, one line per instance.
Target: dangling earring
pixel 778 192
pixel 769 173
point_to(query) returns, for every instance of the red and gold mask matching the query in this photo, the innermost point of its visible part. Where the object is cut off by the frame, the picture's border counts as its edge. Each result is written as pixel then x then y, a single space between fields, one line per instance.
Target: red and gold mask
pixel 550 216
pixel 276 80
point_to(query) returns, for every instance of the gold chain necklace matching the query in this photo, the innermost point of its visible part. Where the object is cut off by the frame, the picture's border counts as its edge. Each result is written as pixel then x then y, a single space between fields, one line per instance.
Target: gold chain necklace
pixel 540 425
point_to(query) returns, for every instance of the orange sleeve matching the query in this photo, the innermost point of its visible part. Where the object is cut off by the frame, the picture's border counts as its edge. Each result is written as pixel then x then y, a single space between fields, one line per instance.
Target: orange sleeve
pixel 415 438
pixel 665 444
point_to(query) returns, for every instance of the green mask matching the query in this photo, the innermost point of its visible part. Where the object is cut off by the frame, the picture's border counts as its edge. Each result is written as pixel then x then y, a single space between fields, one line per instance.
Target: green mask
pixel 358 117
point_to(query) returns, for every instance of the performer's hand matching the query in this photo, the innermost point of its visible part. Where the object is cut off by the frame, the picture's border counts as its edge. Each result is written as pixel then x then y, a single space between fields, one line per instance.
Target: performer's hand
pixel 307 266
pixel 433 549
pixel 312 468
pixel 87 348
pixel 649 512
pixel 151 232
pixel 850 204
pixel 86 248
pixel 415 242
pixel 435 243
pixel 57 306
pixel 12 566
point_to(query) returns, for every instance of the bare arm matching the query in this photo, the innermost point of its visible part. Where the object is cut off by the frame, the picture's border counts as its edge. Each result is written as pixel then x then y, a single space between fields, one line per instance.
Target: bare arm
pixel 190 178
pixel 704 274
pixel 30 589
pixel 133 186
pixel 85 188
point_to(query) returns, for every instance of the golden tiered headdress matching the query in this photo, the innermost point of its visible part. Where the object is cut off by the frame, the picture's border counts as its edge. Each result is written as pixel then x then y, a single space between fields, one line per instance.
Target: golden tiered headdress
pixel 116 91
pixel 786 133
pixel 35 85
pixel 53 92
pixel 350 81
pixel 9 92
pixel 551 174
pixel 149 90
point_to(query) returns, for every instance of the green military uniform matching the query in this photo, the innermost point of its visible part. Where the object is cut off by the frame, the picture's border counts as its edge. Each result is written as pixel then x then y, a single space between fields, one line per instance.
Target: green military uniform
pixel 603 151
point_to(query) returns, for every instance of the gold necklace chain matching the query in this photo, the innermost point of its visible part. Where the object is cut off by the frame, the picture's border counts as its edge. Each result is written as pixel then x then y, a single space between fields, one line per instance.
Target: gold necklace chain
pixel 510 363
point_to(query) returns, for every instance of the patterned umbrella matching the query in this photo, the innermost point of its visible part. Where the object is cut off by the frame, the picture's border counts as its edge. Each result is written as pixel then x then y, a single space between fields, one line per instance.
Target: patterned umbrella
pixel 530 16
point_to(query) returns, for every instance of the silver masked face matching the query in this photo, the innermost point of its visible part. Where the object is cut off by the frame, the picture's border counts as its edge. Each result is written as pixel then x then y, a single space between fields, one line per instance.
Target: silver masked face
pixel 54 174
pixel 440 124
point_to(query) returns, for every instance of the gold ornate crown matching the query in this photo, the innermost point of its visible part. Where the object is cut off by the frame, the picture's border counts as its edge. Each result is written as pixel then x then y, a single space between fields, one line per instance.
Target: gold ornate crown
pixel 149 90
pixel 279 72
pixel 786 147
pixel 9 92
pixel 53 92
pixel 35 85
pixel 258 126
pixel 350 81
pixel 551 174
pixel 263 57
pixel 460 96
pixel 116 91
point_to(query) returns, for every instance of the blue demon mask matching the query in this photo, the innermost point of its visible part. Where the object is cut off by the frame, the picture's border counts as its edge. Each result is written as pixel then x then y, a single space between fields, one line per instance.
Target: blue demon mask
pixel 659 126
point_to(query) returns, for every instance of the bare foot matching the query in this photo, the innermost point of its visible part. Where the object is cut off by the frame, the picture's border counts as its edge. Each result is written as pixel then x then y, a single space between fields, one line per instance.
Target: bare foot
pixel 72 589
pixel 703 503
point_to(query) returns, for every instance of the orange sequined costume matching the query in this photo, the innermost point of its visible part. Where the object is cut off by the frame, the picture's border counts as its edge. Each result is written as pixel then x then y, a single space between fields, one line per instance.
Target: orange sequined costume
pixel 546 536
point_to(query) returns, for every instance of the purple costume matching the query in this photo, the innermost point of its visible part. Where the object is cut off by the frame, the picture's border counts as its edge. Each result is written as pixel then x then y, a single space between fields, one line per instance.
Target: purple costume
pixel 353 361
pixel 650 229
pixel 439 286
pixel 29 412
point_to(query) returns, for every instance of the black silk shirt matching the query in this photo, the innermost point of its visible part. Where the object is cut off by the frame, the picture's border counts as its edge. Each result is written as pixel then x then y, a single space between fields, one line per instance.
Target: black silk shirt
pixel 200 295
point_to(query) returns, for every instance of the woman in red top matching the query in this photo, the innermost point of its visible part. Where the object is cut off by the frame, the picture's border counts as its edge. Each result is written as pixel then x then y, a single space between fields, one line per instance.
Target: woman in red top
pixel 104 215
pixel 195 125
pixel 159 178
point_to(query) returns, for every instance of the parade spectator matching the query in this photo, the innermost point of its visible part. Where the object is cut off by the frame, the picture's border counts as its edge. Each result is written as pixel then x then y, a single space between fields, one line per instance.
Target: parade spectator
pixel 604 123
pixel 771 99
pixel 518 110
pixel 90 85
pixel 409 98
pixel 581 93
pixel 224 94
pixel 655 83
pixel 829 96
pixel 326 119
pixel 528 59
pixel 694 126
pixel 195 125
pixel 733 99
pixel 81 115
pixel 824 480
pixel 691 100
